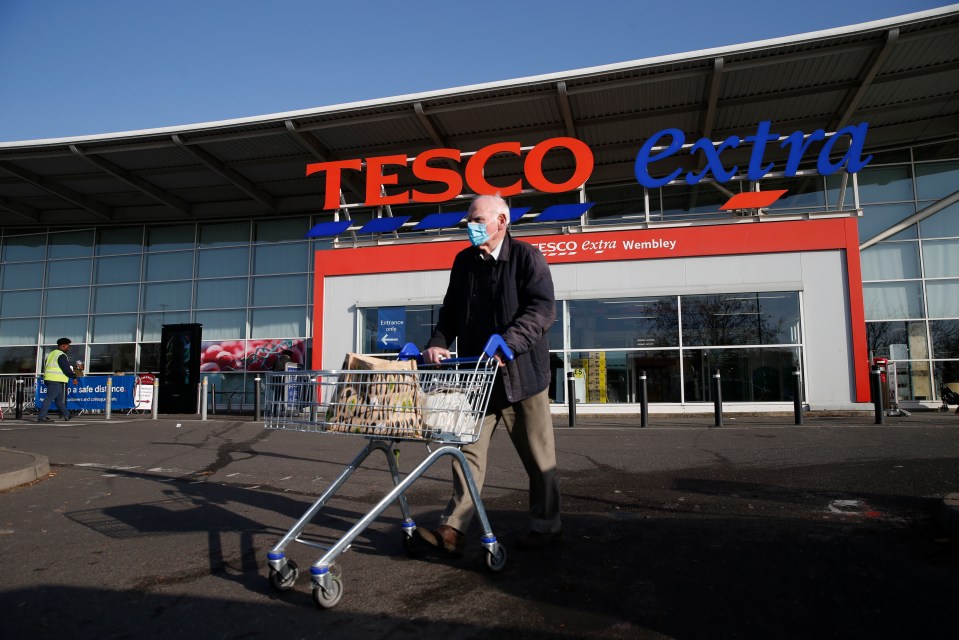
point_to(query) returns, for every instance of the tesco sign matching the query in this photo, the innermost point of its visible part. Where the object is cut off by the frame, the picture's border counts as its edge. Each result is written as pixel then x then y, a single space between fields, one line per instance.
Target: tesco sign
pixel 380 169
pixel 377 175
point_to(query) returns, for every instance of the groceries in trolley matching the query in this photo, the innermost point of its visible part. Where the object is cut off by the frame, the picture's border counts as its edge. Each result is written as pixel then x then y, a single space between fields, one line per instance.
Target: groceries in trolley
pixel 388 398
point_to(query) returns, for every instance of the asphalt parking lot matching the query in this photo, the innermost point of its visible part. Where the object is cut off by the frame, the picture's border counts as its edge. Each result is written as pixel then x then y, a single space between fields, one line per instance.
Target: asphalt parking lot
pixel 757 529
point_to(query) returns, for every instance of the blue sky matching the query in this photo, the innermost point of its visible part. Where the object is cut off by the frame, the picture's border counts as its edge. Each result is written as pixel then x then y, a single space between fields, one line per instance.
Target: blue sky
pixel 78 67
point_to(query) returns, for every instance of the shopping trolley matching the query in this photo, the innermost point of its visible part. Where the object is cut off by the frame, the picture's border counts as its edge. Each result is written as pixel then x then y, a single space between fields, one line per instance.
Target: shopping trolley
pixel 437 404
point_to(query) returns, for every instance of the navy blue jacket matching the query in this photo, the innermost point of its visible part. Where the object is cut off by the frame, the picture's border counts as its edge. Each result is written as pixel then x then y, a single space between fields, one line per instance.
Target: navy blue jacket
pixel 525 309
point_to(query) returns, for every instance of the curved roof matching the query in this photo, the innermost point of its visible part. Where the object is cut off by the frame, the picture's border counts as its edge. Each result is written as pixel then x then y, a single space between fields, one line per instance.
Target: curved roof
pixel 900 75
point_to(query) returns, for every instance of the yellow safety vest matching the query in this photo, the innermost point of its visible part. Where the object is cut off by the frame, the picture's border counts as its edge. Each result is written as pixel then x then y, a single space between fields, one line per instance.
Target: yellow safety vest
pixel 51 370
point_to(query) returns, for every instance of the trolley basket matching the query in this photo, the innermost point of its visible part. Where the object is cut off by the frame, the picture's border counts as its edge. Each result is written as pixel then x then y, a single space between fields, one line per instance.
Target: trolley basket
pixel 384 402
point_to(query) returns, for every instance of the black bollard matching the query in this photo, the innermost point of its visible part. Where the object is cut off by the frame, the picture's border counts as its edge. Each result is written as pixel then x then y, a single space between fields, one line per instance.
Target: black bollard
pixel 571 397
pixel 643 401
pixel 19 409
pixel 875 379
pixel 717 399
pixel 797 395
pixel 256 399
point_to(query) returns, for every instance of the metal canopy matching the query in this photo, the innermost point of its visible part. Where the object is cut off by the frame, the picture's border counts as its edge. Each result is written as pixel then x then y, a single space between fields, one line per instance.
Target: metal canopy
pixel 900 75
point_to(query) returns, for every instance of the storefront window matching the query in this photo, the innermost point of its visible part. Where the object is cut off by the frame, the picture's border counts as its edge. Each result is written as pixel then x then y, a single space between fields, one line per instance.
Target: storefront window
pixel 18 330
pixel 936 180
pixel 222 324
pixel 73 327
pixel 913 381
pixel 741 319
pixel 897 340
pixel 167 295
pixel 67 273
pixel 945 338
pixel 885 184
pixel 278 290
pixel 25 248
pixel 15 304
pixel 555 333
pixel 222 234
pixel 115 328
pixel 891 261
pixel 281 258
pixel 149 357
pixel 112 358
pixel 617 202
pixel 72 244
pixel 176 265
pixel 623 323
pixel 941 258
pixel 944 224
pixel 218 263
pixel 217 294
pixel 116 299
pixel 281 230
pixel 942 297
pixel 72 301
pixel 26 275
pixel 877 218
pixel 171 238
pixel 117 269
pixel 18 359
pixel 123 240
pixel 286 321
pixel 600 376
pixel 892 300
pixel 747 375
pixel 663 380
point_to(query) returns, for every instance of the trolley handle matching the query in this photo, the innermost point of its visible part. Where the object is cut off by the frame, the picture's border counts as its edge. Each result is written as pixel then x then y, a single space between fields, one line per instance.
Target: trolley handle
pixel 494 345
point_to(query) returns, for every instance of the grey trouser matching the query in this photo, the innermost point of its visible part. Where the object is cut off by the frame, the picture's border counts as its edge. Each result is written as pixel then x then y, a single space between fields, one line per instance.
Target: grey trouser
pixel 56 392
pixel 530 427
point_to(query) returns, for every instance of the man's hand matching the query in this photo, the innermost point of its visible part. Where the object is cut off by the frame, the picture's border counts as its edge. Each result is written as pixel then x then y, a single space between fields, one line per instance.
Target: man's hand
pixel 435 355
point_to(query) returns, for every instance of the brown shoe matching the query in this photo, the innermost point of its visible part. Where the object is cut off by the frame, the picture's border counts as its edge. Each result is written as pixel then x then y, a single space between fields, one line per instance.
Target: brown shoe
pixel 536 540
pixel 443 537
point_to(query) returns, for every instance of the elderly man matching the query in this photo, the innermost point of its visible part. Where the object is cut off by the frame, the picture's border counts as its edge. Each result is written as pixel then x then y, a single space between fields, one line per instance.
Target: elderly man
pixel 502 285
pixel 56 373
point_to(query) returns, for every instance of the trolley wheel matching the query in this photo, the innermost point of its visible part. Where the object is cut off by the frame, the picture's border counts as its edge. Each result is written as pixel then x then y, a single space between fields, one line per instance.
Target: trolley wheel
pixel 284 584
pixel 496 560
pixel 412 545
pixel 943 409
pixel 328 599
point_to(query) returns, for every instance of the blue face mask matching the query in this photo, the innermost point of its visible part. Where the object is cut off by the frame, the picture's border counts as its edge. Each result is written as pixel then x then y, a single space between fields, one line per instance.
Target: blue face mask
pixel 477 233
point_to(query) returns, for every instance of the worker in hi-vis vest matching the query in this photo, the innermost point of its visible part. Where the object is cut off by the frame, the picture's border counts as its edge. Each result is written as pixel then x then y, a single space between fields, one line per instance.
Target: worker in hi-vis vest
pixel 56 373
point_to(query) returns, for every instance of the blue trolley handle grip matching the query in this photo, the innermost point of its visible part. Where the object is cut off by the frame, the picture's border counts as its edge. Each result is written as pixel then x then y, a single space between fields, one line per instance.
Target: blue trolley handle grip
pixel 494 345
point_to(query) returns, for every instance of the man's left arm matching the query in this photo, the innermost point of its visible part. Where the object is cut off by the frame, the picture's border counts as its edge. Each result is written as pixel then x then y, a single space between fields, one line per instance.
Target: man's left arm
pixel 65 367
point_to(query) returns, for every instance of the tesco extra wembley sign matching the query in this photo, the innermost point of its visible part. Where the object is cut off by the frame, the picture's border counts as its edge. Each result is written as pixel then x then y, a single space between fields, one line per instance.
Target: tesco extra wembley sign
pixel 380 170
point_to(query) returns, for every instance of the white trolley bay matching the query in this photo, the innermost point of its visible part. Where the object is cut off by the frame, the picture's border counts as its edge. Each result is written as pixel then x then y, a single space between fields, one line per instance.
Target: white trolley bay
pixel 384 402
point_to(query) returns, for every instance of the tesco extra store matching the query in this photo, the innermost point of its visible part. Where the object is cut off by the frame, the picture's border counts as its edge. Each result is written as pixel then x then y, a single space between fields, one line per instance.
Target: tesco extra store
pixel 752 208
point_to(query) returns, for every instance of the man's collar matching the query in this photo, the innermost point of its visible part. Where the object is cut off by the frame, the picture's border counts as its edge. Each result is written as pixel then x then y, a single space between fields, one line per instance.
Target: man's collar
pixel 495 253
